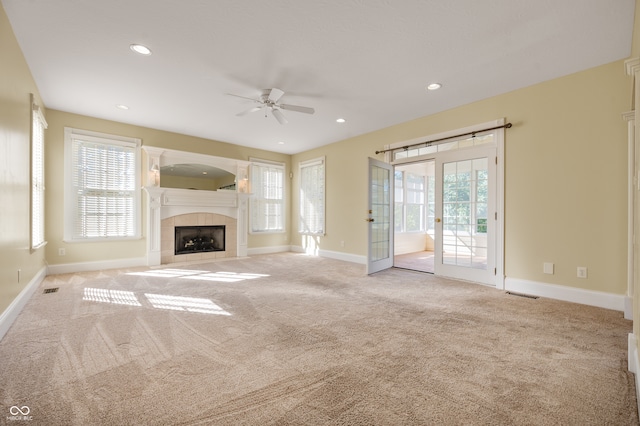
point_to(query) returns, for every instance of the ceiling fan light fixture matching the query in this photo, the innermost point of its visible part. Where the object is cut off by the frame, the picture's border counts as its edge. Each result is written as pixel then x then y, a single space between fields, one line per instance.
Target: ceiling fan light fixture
pixel 434 86
pixel 279 116
pixel 141 49
pixel 269 100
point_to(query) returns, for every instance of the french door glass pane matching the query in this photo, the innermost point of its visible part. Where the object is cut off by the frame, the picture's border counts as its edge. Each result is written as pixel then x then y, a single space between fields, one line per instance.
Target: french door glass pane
pixel 464 210
pixel 381 213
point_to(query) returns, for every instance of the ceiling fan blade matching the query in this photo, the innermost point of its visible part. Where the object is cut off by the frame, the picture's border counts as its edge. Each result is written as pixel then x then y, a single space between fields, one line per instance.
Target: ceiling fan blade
pixel 244 97
pixel 275 95
pixel 250 110
pixel 279 116
pixel 297 108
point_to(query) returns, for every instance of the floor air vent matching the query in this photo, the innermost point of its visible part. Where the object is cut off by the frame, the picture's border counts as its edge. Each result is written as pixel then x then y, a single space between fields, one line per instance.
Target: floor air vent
pixel 51 290
pixel 528 296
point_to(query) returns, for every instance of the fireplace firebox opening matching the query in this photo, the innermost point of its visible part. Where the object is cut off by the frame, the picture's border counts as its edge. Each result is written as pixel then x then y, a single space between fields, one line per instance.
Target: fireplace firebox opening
pixel 199 239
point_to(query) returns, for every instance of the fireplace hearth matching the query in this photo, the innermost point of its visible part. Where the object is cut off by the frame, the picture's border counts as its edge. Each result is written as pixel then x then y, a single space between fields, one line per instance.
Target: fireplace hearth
pixel 199 239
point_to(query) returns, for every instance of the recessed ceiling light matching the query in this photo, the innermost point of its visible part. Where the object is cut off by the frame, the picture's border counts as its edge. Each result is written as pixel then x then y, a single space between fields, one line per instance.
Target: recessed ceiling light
pixel 204 173
pixel 434 86
pixel 280 143
pixel 340 120
pixel 138 48
pixel 123 107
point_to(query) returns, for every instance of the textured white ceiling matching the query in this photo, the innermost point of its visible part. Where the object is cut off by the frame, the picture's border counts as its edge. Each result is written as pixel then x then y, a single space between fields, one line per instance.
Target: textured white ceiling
pixel 365 60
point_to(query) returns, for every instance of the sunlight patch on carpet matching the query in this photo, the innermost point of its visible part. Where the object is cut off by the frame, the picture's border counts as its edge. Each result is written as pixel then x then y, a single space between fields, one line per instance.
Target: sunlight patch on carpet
pixel 227 277
pixel 158 301
pixel 117 297
pixel 221 276
pixel 190 304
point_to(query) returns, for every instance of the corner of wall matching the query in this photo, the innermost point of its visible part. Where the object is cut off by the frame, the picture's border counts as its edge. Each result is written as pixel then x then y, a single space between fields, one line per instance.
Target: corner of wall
pixel 10 314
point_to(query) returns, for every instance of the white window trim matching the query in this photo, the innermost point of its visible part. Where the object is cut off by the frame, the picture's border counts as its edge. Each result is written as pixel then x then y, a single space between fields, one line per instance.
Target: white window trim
pixel 37 118
pixel 308 163
pixel 277 164
pixel 69 135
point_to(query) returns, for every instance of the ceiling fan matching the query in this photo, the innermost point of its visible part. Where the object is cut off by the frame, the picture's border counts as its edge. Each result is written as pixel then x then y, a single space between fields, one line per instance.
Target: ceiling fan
pixel 269 100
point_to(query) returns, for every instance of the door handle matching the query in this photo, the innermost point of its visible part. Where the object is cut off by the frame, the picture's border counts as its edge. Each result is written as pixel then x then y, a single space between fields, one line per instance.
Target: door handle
pixel 438 220
pixel 369 220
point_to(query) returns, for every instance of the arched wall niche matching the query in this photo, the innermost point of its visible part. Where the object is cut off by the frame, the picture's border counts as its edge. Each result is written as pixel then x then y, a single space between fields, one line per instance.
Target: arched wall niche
pixel 183 170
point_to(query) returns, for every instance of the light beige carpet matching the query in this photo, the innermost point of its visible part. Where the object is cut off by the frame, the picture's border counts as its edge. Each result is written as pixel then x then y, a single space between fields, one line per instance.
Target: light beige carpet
pixel 289 339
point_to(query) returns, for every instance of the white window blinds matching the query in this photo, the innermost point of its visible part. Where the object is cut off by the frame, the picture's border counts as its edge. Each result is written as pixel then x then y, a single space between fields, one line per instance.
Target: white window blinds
pixel 103 179
pixel 39 124
pixel 267 203
pixel 312 185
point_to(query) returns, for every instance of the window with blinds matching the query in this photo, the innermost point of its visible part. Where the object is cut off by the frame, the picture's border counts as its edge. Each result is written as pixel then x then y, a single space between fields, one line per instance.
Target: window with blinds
pixel 267 203
pixel 39 124
pixel 312 184
pixel 102 195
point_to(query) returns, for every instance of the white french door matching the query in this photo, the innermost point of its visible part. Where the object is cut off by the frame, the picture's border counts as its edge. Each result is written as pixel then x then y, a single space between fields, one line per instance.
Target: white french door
pixel 380 216
pixel 465 215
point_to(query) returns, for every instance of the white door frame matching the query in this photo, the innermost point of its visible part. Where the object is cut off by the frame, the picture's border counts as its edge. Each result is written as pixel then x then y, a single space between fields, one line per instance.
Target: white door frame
pixel 500 178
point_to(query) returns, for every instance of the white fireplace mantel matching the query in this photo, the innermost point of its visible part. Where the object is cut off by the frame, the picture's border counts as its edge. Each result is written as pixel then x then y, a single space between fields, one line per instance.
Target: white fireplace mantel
pixel 163 203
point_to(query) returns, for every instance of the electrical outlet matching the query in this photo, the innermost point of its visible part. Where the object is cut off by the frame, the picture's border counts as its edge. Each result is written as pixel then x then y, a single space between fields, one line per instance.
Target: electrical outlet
pixel 62 252
pixel 547 268
pixel 582 272
pixel 341 243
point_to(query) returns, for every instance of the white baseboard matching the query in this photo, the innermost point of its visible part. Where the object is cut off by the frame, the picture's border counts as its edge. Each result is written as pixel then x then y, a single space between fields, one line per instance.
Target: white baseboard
pixel 634 363
pixel 347 257
pixel 633 354
pixel 600 299
pixel 11 313
pixel 267 250
pixel 338 255
pixel 628 308
pixel 69 268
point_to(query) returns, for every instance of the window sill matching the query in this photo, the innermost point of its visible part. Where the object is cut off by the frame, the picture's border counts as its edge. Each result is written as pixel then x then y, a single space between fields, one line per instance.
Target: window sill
pixel 101 239
pixel 39 246
pixel 267 232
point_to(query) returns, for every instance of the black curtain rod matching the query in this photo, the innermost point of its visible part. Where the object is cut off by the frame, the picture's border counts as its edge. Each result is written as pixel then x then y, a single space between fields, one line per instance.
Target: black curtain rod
pixel 429 143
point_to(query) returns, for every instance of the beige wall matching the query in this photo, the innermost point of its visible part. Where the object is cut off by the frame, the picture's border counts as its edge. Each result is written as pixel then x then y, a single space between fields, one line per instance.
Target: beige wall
pixel 16 83
pixel 103 251
pixel 565 171
pixel 410 242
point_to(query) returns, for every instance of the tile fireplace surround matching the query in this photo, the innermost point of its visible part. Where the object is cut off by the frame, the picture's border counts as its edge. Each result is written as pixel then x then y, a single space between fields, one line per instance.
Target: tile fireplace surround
pixel 197 219
pixel 171 207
